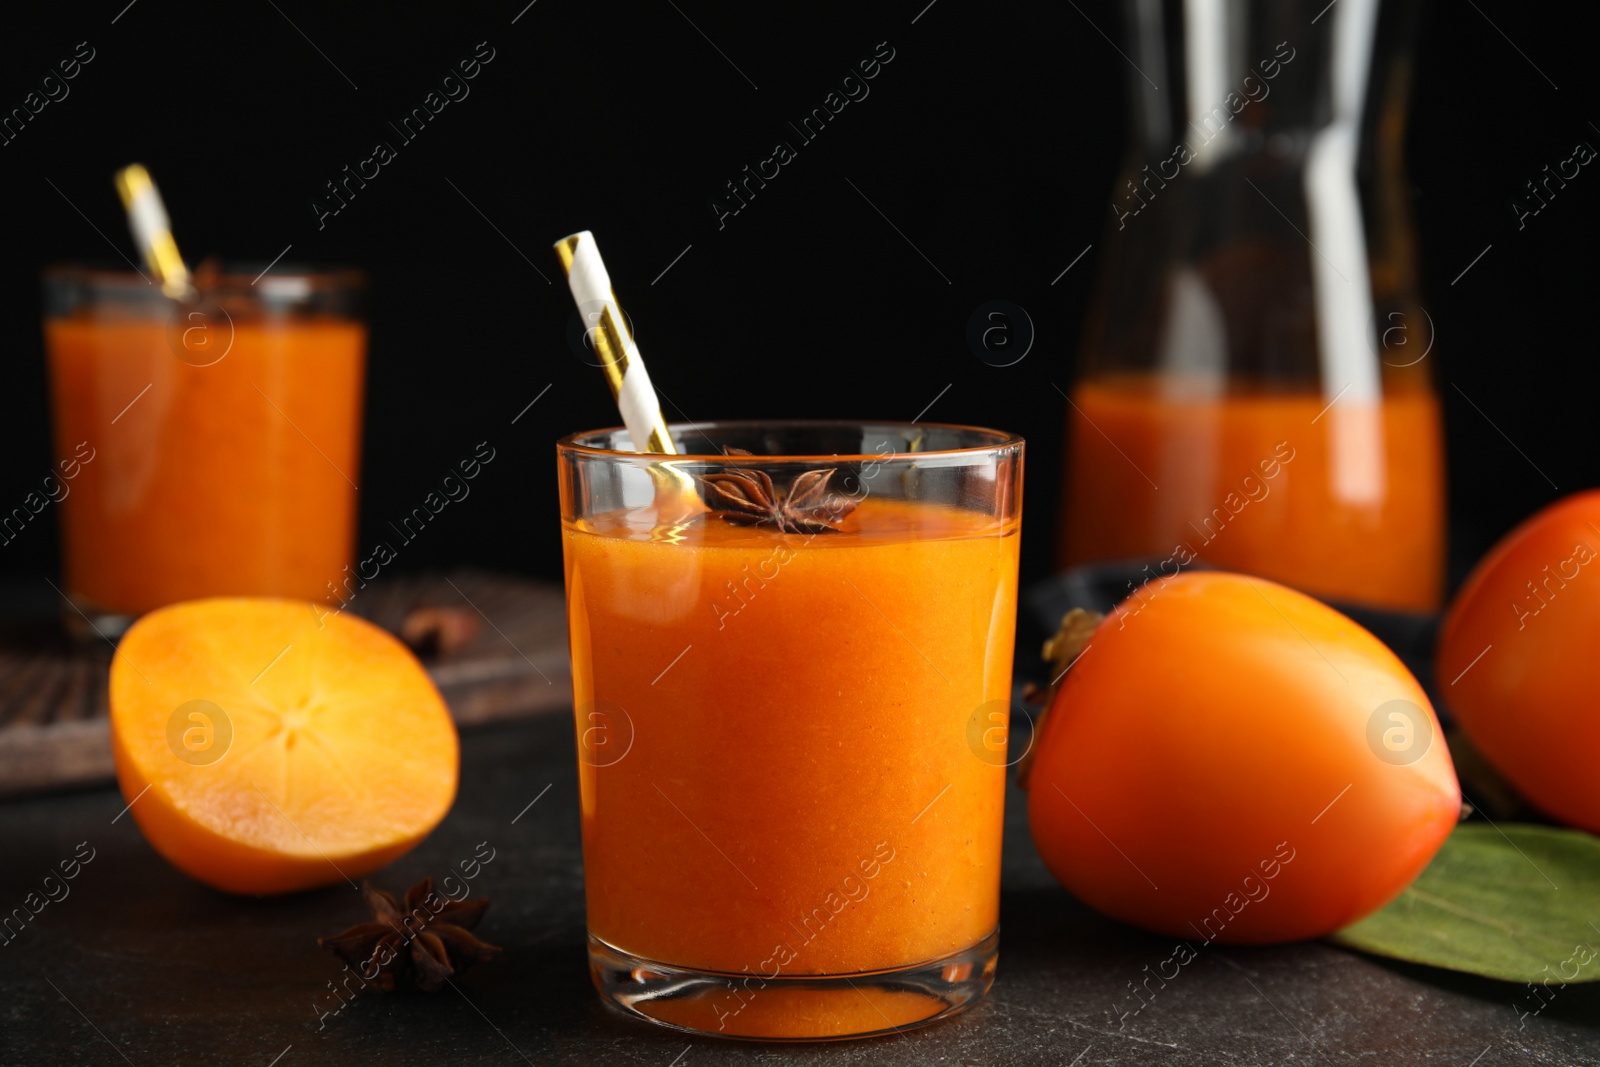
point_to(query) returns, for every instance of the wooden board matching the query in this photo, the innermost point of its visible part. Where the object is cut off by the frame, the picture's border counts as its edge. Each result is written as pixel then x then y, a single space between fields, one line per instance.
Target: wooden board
pixel 53 714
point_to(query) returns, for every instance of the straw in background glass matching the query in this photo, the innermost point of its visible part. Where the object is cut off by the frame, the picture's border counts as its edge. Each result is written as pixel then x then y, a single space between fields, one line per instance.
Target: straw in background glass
pixel 147 218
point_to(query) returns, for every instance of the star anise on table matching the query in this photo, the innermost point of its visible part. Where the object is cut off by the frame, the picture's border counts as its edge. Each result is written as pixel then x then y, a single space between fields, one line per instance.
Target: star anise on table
pixel 416 944
pixel 436 631
pixel 748 497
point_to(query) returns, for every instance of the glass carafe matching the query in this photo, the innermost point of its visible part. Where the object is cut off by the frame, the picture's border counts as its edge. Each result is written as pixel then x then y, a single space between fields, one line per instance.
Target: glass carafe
pixel 1254 387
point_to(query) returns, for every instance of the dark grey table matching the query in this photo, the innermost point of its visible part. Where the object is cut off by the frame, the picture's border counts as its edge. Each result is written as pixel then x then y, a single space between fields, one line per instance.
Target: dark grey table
pixel 140 965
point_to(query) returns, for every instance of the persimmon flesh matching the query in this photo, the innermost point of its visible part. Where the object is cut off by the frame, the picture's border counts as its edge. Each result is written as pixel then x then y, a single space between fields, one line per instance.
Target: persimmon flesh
pixel 1223 763
pixel 266 746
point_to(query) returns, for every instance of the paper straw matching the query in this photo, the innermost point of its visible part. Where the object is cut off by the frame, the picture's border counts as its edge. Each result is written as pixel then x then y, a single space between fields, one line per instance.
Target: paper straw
pixel 147 218
pixel 619 356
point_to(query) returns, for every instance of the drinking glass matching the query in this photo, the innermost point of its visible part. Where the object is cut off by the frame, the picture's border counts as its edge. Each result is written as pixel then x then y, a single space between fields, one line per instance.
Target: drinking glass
pixel 787 670
pixel 213 446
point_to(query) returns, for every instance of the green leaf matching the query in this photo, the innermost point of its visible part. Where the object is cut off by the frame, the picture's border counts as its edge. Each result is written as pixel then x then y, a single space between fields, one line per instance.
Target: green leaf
pixel 1514 902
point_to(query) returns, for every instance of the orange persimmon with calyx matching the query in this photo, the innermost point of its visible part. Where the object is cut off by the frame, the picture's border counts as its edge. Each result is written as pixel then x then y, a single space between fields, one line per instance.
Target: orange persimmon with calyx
pixel 266 746
pixel 1231 760
pixel 1517 661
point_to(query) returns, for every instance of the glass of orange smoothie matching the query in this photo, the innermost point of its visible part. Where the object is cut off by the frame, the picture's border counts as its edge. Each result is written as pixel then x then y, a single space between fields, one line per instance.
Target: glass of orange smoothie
pixel 785 664
pixel 213 447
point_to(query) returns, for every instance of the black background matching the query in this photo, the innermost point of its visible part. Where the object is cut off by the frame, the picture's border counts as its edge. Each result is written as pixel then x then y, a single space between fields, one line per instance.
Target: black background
pixel 990 141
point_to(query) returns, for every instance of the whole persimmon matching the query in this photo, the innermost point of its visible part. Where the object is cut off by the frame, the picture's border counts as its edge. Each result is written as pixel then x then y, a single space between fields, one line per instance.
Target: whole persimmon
pixel 1231 760
pixel 1517 660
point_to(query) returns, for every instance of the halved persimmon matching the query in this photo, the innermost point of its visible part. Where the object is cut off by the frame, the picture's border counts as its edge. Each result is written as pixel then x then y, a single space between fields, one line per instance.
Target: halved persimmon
pixel 266 746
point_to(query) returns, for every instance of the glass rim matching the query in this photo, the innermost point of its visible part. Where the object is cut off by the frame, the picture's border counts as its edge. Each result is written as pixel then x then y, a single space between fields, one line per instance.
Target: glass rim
pixel 1001 440
pixel 231 274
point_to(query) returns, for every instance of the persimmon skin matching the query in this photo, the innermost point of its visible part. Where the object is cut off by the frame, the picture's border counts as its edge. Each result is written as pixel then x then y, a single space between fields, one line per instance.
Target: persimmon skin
pixel 1205 770
pixel 1517 661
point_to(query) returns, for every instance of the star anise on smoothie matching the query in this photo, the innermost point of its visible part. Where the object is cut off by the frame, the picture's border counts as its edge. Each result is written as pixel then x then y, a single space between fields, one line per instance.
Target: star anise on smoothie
pixel 416 944
pixel 748 497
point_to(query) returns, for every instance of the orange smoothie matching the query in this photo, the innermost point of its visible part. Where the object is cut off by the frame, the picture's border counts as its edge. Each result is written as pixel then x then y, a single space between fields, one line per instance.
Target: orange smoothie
pixel 786 784
pixel 1346 503
pixel 233 478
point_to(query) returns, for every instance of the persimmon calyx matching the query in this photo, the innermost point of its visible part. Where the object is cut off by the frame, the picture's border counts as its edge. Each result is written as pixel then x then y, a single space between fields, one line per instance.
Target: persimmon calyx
pixel 1077 627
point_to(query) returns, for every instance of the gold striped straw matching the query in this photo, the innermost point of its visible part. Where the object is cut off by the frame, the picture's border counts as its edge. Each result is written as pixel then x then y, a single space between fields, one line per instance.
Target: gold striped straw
pixel 619 356
pixel 147 218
